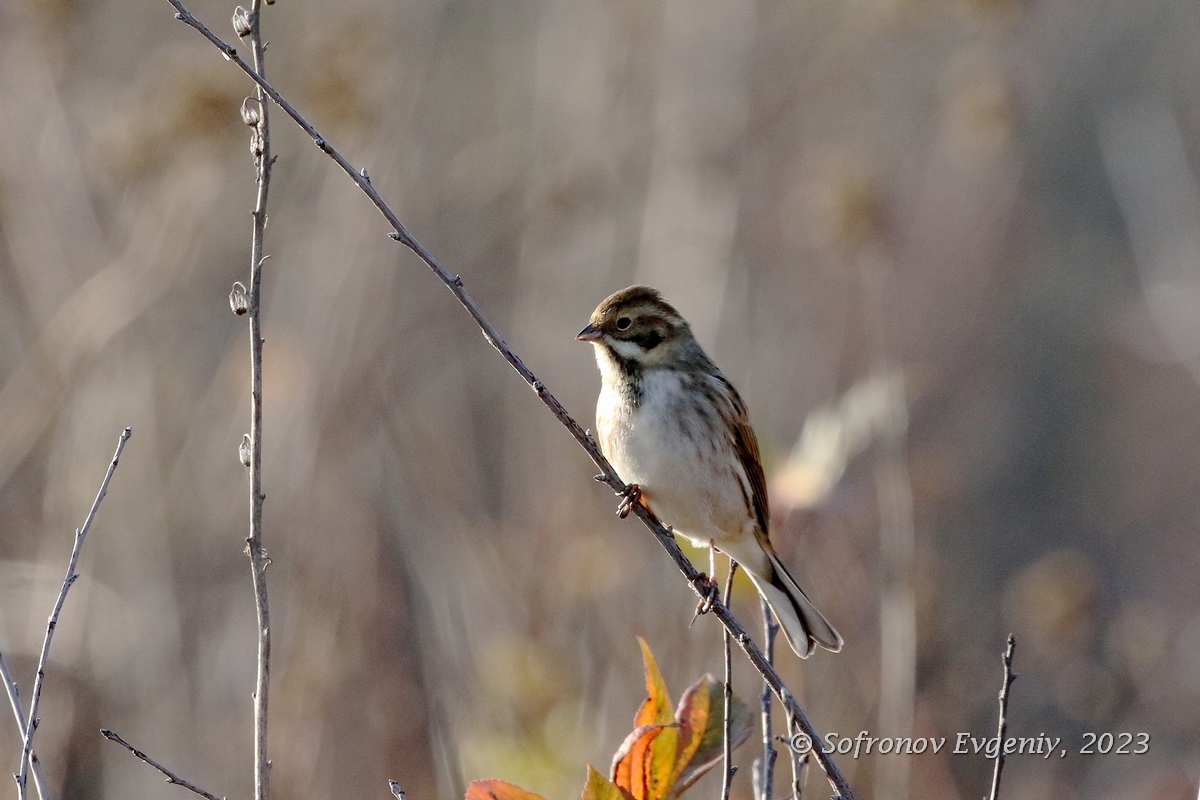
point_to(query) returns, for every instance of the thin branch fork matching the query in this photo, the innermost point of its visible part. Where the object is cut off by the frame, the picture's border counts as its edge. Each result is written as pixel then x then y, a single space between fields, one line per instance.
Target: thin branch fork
pixel 14 699
pixel 22 775
pixel 699 582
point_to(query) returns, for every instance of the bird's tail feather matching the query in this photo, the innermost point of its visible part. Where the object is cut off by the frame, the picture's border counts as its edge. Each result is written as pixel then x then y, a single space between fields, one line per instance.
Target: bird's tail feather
pixel 803 625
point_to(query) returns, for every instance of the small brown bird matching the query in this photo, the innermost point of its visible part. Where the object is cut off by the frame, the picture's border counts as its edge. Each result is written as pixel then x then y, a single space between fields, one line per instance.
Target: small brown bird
pixel 675 427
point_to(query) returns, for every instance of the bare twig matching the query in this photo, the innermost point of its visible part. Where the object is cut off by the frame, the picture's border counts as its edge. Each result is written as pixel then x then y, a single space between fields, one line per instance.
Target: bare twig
pixel 796 760
pixel 80 535
pixel 171 776
pixel 727 733
pixel 248 25
pixel 608 476
pixel 1002 726
pixel 14 699
pixel 766 770
pixel 752 651
pixel 397 789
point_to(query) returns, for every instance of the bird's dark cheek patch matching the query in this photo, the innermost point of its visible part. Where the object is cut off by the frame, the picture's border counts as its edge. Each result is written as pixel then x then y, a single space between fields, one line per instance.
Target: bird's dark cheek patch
pixel 648 340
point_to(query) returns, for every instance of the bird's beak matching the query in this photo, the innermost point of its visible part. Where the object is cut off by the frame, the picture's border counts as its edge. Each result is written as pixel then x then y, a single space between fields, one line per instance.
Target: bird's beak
pixel 590 334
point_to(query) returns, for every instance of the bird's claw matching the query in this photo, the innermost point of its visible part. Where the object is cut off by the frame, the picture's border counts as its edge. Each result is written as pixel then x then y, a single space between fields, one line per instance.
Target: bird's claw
pixel 630 497
pixel 708 595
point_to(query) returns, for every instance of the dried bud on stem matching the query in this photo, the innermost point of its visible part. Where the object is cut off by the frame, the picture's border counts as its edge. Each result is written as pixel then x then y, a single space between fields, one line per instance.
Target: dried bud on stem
pixel 241 22
pixel 237 299
pixel 251 112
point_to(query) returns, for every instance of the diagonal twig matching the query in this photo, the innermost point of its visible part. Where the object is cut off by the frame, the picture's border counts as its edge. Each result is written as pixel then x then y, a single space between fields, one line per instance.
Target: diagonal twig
pixel 14 699
pixel 608 475
pixel 171 776
pixel 1002 726
pixel 27 748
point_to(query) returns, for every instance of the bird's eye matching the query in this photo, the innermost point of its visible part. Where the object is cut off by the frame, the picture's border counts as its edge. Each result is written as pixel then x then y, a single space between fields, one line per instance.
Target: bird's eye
pixel 623 323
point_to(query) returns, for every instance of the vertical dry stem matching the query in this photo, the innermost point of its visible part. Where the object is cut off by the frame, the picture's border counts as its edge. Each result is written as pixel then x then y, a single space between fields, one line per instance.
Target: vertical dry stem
pixel 767 765
pixel 727 737
pixel 1002 726
pixel 795 758
pixel 258 557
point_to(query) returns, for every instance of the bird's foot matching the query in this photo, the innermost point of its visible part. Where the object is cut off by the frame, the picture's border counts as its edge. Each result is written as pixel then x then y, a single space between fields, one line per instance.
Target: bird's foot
pixel 708 596
pixel 631 496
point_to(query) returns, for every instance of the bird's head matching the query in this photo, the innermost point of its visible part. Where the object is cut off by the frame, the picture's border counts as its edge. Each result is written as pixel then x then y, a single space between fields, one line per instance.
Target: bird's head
pixel 635 326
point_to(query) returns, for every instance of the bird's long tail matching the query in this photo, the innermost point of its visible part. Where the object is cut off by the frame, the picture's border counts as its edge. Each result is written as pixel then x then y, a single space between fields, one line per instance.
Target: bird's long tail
pixel 803 625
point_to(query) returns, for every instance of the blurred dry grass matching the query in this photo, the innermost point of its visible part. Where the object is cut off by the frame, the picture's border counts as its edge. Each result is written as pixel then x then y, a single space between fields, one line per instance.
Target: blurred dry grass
pixel 452 595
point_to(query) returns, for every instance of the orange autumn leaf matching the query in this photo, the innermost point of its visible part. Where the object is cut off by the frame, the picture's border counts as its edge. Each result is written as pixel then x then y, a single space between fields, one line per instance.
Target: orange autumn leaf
pixel 644 763
pixel 498 790
pixel 628 767
pixel 667 752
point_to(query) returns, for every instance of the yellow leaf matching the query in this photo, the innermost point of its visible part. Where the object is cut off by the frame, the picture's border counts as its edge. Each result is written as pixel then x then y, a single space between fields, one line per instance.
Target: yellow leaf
pixel 598 787
pixel 659 764
pixel 657 708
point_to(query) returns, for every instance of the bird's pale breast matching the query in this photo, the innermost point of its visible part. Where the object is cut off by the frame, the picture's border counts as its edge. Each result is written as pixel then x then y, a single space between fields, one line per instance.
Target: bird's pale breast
pixel 675 446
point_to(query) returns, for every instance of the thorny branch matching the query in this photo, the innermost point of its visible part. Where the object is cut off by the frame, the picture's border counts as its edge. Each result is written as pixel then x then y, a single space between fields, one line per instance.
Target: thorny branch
pixel 608 476
pixel 27 748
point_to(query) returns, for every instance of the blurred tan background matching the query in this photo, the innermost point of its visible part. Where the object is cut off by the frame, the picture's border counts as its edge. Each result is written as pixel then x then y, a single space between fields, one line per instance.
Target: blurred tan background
pixel 949 250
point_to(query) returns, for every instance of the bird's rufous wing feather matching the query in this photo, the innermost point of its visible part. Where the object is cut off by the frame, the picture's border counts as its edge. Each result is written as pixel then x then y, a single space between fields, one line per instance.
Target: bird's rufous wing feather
pixel 745 443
